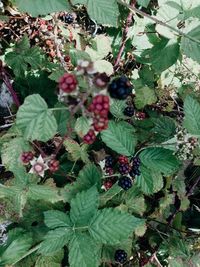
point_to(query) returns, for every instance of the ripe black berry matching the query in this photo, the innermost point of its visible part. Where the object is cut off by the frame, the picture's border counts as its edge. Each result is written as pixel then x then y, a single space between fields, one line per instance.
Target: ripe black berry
pixel 120 88
pixel 135 170
pixel 109 161
pixel 120 256
pixel 129 111
pixel 125 182
pixel 68 18
pixel 124 168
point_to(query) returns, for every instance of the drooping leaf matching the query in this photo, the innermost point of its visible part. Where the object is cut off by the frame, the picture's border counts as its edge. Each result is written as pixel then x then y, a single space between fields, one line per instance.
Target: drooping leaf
pixel 53 261
pixel 44 192
pixel 35 120
pixel 83 251
pixel 119 138
pixel 77 152
pixel 144 96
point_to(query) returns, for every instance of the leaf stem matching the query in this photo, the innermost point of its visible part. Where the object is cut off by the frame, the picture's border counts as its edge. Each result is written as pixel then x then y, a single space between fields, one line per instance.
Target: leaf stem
pixel 55 109
pixel 157 21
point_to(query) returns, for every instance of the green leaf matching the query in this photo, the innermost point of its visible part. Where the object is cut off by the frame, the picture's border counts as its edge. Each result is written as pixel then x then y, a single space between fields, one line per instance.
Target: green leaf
pixel 144 96
pixel 104 12
pixel 17 245
pixel 110 226
pixel 111 193
pixel 11 153
pixel 83 251
pixel 24 56
pixel 50 261
pixel 56 218
pixel 62 118
pixel 82 126
pixel 47 193
pixel 159 159
pixel 88 177
pixel 163 55
pixel 42 7
pixel 84 206
pixel 149 181
pixel 76 151
pixel 117 107
pixel 35 119
pixel 164 128
pixel 192 115
pixel 55 240
pixel 119 138
pixel 189 47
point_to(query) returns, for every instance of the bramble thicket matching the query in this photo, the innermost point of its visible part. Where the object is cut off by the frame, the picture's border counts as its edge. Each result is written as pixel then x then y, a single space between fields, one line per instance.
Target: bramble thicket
pixel 99 133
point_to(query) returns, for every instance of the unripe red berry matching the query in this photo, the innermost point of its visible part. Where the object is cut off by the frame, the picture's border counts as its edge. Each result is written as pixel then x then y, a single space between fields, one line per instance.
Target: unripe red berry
pixel 90 137
pixel 53 165
pixel 26 157
pixel 100 105
pixel 108 184
pixel 100 123
pixel 67 58
pixel 140 115
pixel 123 159
pixel 68 83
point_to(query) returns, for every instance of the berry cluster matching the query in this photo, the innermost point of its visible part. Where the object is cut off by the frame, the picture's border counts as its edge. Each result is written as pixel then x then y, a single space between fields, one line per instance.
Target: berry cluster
pixel 26 157
pixel 123 165
pixel 53 165
pixel 120 88
pixel 135 169
pixel 129 111
pixel 108 183
pixel 99 108
pixel 68 83
pixel 90 137
pixel 120 256
pixel 125 182
pixel 109 162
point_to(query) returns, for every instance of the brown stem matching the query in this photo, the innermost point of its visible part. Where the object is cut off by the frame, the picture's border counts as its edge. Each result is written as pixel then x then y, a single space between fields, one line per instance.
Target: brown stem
pixel 124 35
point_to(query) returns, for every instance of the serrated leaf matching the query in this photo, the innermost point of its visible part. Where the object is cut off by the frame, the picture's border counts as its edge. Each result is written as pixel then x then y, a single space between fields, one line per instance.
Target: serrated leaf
pixel 159 159
pixel 84 206
pixel 24 56
pixel 55 240
pixel 149 181
pixel 119 139
pixel 117 108
pixel 56 218
pixel 83 251
pixel 192 115
pixel 110 226
pixel 77 151
pixel 164 128
pixel 42 7
pixel 111 193
pixel 35 120
pixel 104 12
pixel 144 96
pixel 44 192
pixel 11 153
pixel 82 126
pixel 87 177
pixel 190 47
pixel 62 118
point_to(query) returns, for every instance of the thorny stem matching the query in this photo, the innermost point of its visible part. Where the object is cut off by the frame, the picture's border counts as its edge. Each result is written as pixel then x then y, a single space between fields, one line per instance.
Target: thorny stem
pixel 157 21
pixel 124 35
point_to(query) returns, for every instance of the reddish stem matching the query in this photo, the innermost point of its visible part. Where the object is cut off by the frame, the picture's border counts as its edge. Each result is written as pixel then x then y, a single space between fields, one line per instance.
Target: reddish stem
pixel 124 35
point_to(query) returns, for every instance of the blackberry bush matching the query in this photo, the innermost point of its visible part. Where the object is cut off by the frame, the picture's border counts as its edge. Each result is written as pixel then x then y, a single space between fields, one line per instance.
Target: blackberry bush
pixel 99 133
